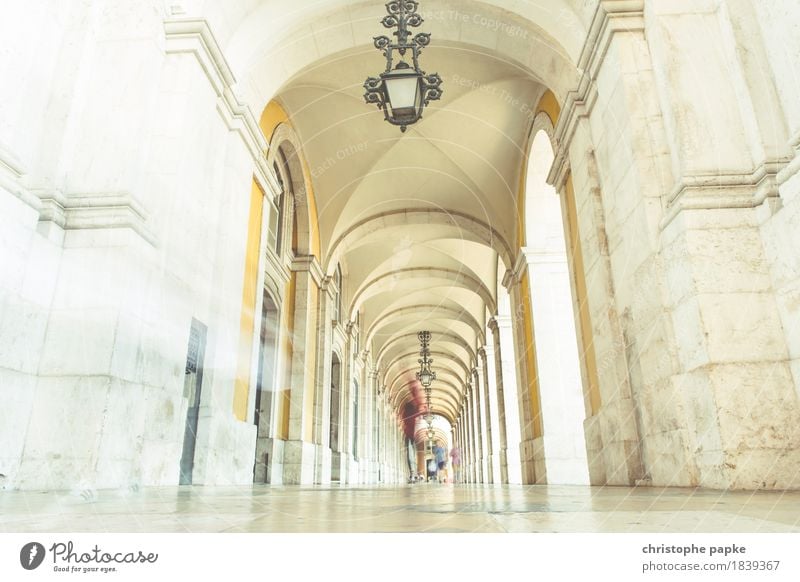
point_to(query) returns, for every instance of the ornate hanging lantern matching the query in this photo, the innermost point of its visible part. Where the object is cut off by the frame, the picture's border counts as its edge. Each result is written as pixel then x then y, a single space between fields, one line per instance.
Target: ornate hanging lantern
pixel 402 92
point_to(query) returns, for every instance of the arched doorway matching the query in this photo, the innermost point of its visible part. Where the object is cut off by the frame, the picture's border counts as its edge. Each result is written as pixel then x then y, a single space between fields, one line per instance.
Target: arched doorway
pixel 560 453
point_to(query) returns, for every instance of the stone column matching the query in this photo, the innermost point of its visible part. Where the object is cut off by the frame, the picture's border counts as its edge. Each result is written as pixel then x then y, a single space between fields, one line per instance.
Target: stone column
pixel 464 439
pixel 507 399
pixel 560 453
pixel 479 425
pixel 474 436
pixel 664 191
pixel 489 379
pixel 468 461
pixel 742 413
pixel 322 397
pixel 299 453
pixel 373 426
pixel 346 428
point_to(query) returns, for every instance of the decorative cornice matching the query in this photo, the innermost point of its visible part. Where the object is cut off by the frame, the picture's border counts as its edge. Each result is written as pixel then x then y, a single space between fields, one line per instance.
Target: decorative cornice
pixel 11 173
pixel 194 35
pixel 508 280
pixel 610 17
pixel 277 265
pixel 520 267
pixel 327 287
pixel 309 264
pixel 719 191
pixel 112 210
pixel 536 257
pixel 793 167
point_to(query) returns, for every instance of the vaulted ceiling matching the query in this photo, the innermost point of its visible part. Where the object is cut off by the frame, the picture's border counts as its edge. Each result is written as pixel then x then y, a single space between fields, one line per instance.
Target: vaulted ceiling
pixel 422 221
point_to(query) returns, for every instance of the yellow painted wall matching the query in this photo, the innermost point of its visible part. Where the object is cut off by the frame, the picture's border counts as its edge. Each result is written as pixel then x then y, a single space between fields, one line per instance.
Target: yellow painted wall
pixel 549 105
pixel 531 369
pixel 241 389
pixel 587 343
pixel 273 115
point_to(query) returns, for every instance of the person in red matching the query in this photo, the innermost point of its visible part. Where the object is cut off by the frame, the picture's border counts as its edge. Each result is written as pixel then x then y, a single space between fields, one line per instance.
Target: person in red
pixel 455 459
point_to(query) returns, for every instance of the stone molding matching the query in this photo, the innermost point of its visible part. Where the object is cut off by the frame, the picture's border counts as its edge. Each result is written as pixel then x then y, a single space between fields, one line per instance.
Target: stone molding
pixel 793 167
pixel 278 267
pixel 11 174
pixel 725 190
pixel 528 256
pixel 111 210
pixel 328 288
pixel 610 18
pixel 422 216
pixel 499 321
pixel 194 36
pixel 309 264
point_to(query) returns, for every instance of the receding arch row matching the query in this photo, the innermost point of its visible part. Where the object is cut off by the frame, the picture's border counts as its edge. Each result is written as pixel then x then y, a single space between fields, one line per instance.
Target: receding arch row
pixel 462 225
pixel 436 336
pixel 443 276
pixel 463 316
pixel 447 408
pixel 446 383
pixel 421 434
pixel 437 356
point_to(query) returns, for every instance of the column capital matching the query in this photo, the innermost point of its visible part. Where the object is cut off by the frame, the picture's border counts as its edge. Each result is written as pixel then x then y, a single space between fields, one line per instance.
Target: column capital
pixel 534 256
pixel 499 321
pixel 309 264
pixel 326 286
pixel 509 280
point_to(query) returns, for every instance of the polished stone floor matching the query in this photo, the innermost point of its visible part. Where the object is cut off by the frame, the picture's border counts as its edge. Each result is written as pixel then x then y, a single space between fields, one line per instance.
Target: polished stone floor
pixel 414 508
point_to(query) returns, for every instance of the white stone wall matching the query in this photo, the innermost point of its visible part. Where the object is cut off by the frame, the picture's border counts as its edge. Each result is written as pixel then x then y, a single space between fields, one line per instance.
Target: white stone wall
pixel 126 194
pixel 672 177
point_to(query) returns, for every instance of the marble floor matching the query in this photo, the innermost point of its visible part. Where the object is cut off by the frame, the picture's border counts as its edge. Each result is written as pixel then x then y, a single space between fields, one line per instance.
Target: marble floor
pixel 414 508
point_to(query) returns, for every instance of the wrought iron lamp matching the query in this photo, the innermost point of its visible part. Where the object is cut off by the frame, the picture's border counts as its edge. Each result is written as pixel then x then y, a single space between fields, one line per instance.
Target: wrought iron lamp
pixel 402 92
pixel 426 376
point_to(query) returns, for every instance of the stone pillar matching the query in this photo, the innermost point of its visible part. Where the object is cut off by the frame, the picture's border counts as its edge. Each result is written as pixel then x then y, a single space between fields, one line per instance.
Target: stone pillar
pixel 465 435
pixel 299 453
pixel 322 396
pixel 526 373
pixel 480 398
pixel 474 436
pixel 479 425
pixel 468 438
pixel 560 453
pixel 742 414
pixel 487 367
pixel 663 193
pixel 496 365
pixel 374 432
pixel 507 399
pixel 346 428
